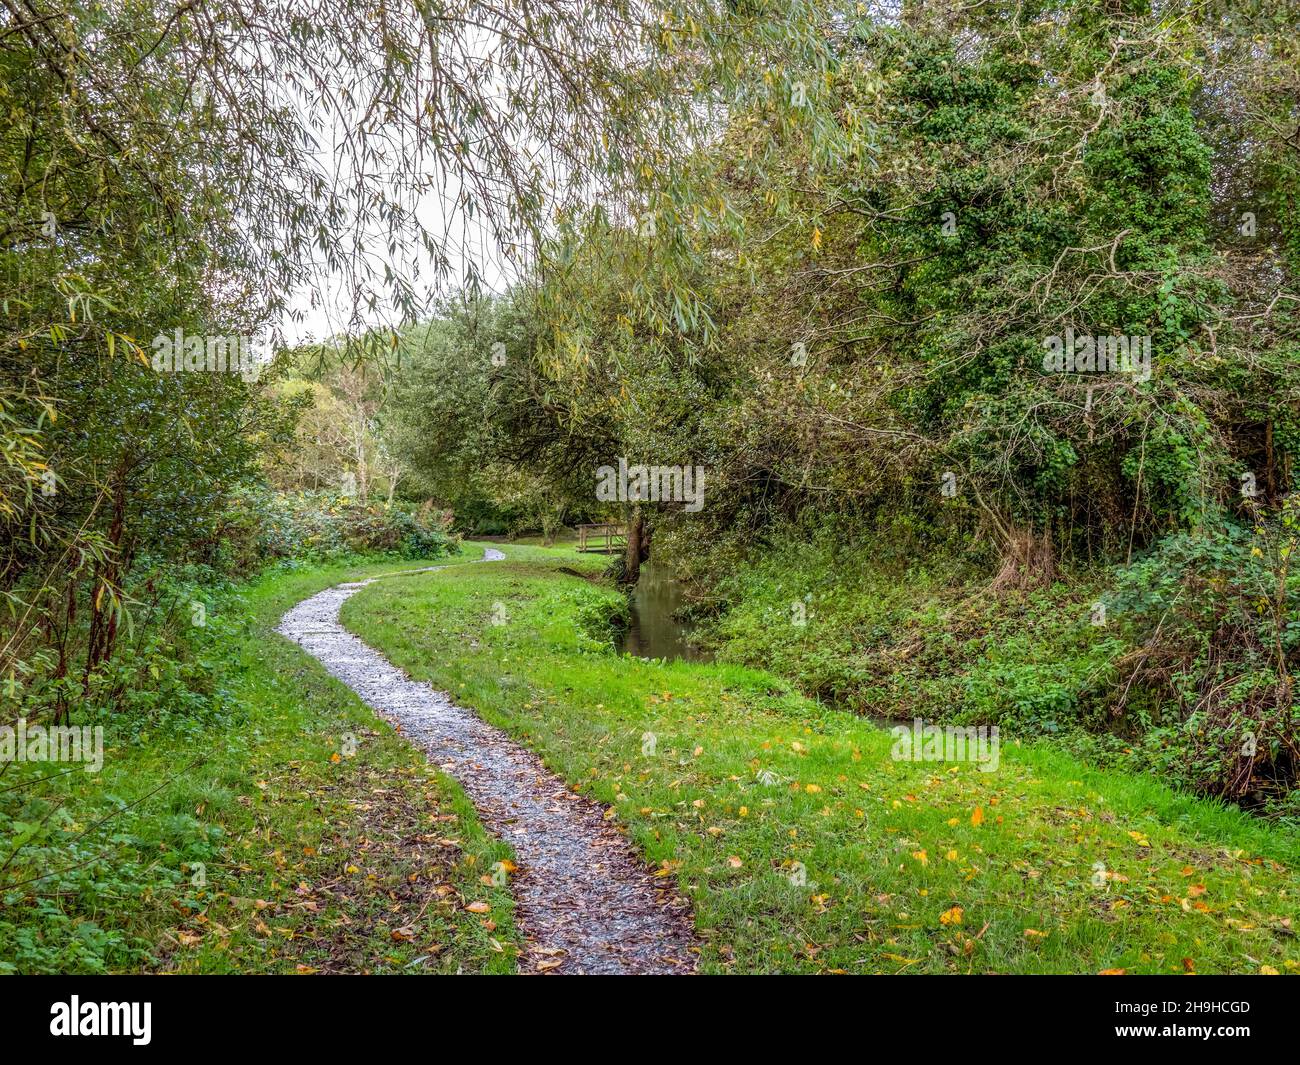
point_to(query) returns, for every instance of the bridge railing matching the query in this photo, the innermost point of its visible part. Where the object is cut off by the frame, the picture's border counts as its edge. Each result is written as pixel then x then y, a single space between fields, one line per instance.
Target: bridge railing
pixel 606 537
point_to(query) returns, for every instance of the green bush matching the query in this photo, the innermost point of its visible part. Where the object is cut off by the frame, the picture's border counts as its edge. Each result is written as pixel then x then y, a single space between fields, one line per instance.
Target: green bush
pixel 1214 619
pixel 262 525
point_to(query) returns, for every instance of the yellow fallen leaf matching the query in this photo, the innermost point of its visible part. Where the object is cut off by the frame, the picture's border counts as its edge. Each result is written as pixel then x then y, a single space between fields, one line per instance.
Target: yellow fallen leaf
pixel 952 916
pixel 977 818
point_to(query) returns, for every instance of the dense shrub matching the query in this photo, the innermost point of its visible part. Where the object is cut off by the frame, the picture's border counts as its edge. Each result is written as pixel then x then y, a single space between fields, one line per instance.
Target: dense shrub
pixel 262 526
pixel 164 684
pixel 1216 634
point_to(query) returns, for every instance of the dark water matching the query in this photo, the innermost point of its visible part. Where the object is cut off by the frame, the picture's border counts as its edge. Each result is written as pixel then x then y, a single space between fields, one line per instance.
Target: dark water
pixel 653 631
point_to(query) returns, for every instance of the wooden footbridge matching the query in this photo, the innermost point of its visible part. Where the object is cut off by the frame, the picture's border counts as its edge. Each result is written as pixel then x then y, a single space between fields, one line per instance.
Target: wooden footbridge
pixel 606 539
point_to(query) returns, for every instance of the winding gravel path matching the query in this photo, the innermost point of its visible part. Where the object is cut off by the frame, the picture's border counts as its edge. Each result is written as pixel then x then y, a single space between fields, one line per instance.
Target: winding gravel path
pixel 584 899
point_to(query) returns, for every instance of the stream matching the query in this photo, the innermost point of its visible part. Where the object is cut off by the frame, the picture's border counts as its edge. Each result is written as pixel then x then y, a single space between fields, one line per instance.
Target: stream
pixel 653 631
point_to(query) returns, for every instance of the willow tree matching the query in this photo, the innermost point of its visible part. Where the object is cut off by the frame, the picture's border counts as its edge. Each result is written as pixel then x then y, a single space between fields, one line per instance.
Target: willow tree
pixel 196 164
pixel 950 191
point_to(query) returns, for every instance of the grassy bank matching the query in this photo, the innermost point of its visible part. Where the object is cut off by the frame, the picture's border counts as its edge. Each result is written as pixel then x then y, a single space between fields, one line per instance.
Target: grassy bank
pixel 804 846
pixel 253 843
pixel 888 636
pixel 1168 666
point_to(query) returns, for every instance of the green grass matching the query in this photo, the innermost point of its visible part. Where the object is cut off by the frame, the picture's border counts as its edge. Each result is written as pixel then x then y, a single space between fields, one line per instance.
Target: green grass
pixel 906 867
pixel 311 861
pixel 564 538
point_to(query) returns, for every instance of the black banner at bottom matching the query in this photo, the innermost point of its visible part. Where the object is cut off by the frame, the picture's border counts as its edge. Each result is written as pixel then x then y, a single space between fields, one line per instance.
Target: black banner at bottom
pixel 142 1015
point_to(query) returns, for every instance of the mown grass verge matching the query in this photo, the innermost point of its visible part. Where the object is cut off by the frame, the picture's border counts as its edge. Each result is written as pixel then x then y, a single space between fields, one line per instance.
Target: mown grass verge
pixel 847 860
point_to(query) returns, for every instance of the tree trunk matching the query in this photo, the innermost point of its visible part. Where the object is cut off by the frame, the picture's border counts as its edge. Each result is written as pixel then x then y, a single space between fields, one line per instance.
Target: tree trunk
pixel 1028 560
pixel 632 563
